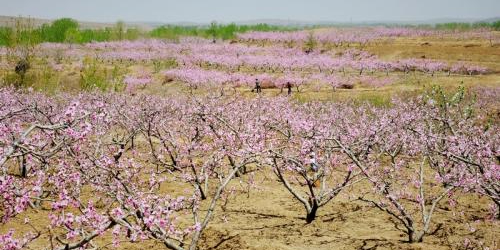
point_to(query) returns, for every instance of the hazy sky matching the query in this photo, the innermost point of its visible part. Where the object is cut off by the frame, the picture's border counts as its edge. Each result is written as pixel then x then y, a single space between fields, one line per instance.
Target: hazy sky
pixel 239 10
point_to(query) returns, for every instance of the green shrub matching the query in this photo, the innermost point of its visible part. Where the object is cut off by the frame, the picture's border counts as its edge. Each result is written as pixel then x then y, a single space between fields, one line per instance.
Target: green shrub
pixel 93 76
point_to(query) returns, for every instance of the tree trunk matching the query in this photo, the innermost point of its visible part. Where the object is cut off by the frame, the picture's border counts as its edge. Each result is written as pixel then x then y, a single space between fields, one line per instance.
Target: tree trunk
pixel 411 235
pixel 311 215
pixel 24 170
pixel 497 204
pixel 418 237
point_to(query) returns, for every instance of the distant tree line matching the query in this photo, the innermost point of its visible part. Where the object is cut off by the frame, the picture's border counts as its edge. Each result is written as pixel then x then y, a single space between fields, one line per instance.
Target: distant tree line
pixel 469 26
pixel 22 30
pixel 67 30
pixel 213 31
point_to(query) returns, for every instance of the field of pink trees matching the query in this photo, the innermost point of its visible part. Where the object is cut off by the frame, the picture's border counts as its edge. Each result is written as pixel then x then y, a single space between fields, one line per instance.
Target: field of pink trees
pixel 334 58
pixel 67 153
pixel 110 165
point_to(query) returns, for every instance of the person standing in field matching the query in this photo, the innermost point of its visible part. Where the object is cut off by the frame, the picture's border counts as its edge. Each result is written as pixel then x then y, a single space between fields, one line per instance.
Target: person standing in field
pixel 315 168
pixel 257 88
pixel 289 87
pixel 313 163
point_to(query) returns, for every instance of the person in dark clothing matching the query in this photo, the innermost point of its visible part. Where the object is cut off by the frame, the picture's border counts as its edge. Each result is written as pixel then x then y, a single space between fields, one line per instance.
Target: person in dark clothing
pixel 289 87
pixel 257 88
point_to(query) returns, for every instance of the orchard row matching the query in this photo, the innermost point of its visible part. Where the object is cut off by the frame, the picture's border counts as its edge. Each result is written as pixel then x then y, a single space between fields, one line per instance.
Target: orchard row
pixel 97 164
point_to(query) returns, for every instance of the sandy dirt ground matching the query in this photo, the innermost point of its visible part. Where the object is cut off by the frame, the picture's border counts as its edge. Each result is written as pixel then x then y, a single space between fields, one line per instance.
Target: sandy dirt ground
pixel 270 218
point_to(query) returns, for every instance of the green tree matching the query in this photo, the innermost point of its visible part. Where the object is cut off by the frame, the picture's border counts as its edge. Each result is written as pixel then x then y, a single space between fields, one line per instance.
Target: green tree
pixel 212 30
pixel 58 28
pixel 72 36
pixel 119 30
pixel 132 34
pixel 6 36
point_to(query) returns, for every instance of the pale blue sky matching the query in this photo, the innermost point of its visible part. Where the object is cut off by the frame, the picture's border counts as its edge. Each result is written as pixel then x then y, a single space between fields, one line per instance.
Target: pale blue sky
pixel 238 10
